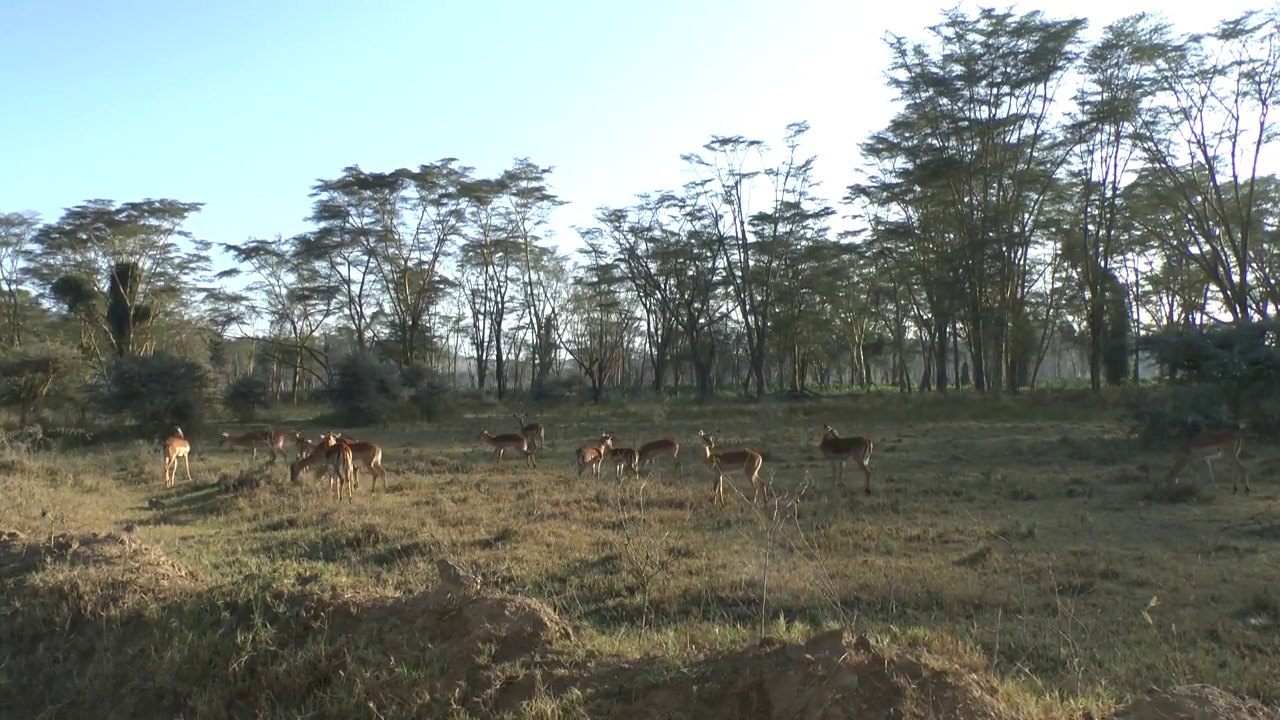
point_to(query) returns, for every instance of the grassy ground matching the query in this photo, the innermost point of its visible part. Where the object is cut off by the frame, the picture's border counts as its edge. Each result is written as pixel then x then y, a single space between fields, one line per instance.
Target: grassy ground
pixel 1046 549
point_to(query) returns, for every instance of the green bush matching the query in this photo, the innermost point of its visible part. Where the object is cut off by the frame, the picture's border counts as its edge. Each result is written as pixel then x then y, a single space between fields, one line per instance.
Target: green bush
pixel 366 390
pixel 157 392
pixel 246 395
pixel 429 398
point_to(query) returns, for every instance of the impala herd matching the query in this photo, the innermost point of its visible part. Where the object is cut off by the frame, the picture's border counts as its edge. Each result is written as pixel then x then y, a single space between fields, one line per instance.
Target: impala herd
pixel 342 457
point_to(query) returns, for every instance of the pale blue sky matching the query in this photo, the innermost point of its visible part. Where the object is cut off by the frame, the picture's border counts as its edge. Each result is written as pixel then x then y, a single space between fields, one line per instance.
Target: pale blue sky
pixel 243 105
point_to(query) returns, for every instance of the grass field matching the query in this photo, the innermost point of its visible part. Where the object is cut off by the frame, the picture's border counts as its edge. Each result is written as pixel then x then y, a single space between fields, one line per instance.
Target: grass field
pixel 1044 556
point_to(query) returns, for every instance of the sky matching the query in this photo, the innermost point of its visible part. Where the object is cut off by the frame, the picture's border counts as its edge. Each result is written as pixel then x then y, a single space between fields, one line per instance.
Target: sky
pixel 243 105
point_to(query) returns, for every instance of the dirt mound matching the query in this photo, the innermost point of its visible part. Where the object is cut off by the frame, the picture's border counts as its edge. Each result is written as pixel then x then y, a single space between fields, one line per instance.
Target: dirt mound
pixel 833 675
pixel 1194 702
pixel 469 634
pixel 124 564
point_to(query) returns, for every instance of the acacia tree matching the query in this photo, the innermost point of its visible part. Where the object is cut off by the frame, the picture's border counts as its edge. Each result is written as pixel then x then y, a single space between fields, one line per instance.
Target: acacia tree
pixel 527 204
pixel 752 244
pixel 976 145
pixel 1205 134
pixel 390 233
pixel 596 333
pixel 640 239
pixel 1109 105
pixel 487 270
pixel 294 297
pixel 16 233
pixel 118 267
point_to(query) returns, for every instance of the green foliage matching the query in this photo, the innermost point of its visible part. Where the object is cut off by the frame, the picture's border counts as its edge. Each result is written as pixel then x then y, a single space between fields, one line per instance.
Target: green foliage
pixel 1115 339
pixel 1236 366
pixel 429 397
pixel 157 392
pixel 366 390
pixel 40 375
pixel 246 395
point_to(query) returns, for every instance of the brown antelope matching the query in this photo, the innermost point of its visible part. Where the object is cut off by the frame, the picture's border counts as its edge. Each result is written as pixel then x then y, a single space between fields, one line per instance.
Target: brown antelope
pixel 510 441
pixel 531 431
pixel 363 453
pixel 625 458
pixel 176 446
pixel 337 459
pixel 305 444
pixel 838 451
pixel 341 467
pixel 265 439
pixel 723 462
pixel 659 449
pixel 593 455
pixel 1210 445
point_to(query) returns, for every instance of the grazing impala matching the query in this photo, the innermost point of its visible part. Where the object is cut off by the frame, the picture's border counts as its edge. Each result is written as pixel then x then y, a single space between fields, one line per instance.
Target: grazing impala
pixel 176 446
pixel 266 439
pixel 593 455
pixel 1210 445
pixel 661 449
pixel 723 462
pixel 510 441
pixel 531 431
pixel 840 450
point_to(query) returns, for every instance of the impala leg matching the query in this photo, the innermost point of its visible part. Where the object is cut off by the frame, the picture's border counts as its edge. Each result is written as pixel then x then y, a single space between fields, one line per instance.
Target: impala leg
pixel 186 463
pixel 866 470
pixel 1209 464
pixel 1235 460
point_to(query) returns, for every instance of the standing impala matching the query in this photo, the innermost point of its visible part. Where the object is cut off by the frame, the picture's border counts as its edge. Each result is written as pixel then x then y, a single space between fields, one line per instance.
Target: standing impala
pixel 509 441
pixel 531 431
pixel 840 450
pixel 1210 445
pixel 176 446
pixel 625 458
pixel 362 453
pixel 265 439
pixel 723 462
pixel 593 455
pixel 659 450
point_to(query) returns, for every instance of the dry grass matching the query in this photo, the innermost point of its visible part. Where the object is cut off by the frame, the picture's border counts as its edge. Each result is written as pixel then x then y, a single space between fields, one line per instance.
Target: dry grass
pixel 1031 548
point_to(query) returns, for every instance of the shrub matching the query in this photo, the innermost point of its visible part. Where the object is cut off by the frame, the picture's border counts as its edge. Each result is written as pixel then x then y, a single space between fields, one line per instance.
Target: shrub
pixel 157 392
pixel 246 395
pixel 366 390
pixel 429 397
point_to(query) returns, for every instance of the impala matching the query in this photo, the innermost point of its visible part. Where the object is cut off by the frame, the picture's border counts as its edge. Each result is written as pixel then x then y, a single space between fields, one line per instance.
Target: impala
pixel 660 449
pixel 723 462
pixel 367 454
pixel 338 460
pixel 1210 445
pixel 593 455
pixel 305 444
pixel 531 431
pixel 265 439
pixel 341 468
pixel 840 450
pixel 509 441
pixel 625 458
pixel 176 446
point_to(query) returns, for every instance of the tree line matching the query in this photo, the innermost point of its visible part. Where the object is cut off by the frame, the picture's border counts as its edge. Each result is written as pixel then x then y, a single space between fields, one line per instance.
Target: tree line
pixel 1035 195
